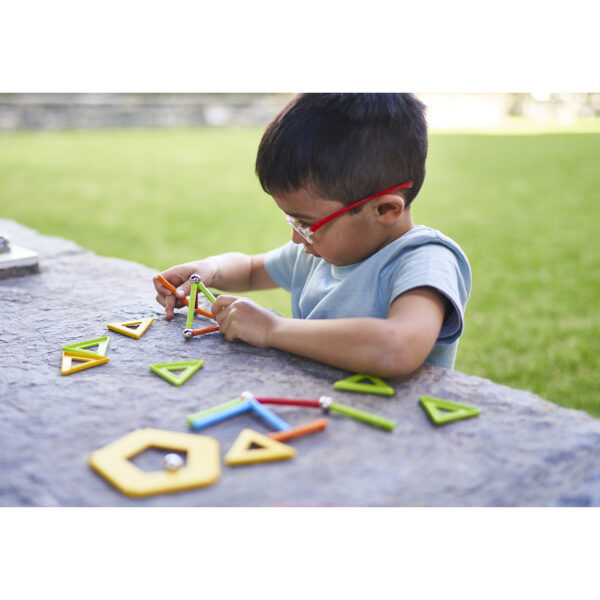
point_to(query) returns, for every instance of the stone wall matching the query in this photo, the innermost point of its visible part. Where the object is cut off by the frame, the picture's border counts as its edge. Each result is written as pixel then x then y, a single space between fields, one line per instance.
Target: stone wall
pixel 520 451
pixel 91 111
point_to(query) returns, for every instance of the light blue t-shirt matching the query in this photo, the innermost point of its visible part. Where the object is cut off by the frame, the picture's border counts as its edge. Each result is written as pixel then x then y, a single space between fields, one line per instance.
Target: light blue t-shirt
pixel 421 257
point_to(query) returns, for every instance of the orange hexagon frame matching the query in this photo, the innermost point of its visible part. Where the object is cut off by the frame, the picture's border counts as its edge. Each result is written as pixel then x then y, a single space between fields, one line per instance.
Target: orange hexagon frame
pixel 202 468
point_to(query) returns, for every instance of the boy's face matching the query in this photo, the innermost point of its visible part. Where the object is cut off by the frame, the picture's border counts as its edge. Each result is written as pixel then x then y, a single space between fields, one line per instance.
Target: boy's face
pixel 345 240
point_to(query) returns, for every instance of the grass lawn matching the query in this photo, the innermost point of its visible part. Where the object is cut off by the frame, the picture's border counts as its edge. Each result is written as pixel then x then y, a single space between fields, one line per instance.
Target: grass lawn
pixel 525 208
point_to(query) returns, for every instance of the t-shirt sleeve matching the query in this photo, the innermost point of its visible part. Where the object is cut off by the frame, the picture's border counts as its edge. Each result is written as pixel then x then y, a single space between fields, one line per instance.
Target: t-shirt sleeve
pixel 280 263
pixel 437 266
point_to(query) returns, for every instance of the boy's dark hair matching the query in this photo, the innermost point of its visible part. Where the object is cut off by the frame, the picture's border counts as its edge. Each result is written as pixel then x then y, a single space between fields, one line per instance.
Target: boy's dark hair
pixel 345 147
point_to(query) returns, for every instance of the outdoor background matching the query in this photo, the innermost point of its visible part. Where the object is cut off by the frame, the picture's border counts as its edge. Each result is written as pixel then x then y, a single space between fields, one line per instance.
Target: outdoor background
pixel 161 179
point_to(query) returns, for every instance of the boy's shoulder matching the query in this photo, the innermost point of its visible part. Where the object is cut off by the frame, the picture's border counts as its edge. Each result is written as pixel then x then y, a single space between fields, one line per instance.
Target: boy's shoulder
pixel 420 236
pixel 421 251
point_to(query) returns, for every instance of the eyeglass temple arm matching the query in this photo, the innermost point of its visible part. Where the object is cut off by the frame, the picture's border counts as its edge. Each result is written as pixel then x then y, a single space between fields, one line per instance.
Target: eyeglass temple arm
pixel 315 226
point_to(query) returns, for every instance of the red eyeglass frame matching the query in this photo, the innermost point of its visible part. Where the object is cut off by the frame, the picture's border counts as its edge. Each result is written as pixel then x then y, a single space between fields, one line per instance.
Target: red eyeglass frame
pixel 319 224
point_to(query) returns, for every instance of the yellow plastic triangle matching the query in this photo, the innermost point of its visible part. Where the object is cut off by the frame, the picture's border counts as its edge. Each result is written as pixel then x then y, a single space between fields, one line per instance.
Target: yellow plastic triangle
pixel 241 452
pixel 81 348
pixel 67 367
pixel 125 328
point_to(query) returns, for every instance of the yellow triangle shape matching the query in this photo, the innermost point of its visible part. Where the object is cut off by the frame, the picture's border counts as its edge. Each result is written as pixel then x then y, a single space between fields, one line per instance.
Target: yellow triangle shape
pixel 241 452
pixel 67 367
pixel 125 328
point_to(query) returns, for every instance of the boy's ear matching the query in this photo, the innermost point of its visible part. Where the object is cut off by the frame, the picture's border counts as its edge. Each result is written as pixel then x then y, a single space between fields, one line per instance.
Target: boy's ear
pixel 389 208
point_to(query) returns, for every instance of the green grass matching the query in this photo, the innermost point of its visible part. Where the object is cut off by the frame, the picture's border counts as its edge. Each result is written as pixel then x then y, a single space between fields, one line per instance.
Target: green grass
pixel 525 208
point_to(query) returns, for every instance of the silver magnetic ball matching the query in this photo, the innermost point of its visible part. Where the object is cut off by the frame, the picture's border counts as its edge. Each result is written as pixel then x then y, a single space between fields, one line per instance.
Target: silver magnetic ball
pixel 172 462
pixel 195 277
pixel 247 395
pixel 325 403
pixel 188 334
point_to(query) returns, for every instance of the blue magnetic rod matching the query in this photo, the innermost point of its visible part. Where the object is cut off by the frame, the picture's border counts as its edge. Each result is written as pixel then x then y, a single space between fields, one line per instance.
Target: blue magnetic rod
pixel 222 415
pixel 269 417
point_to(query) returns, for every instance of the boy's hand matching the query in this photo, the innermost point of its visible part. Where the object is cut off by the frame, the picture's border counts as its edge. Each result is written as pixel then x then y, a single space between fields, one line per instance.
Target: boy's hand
pixel 179 276
pixel 243 320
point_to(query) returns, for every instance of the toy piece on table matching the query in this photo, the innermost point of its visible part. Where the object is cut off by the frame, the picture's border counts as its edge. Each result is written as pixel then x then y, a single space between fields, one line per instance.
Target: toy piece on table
pixel 67 367
pixel 451 410
pixel 233 408
pixel 126 327
pixel 298 431
pixel 355 384
pixel 326 404
pixel 290 402
pixel 188 334
pixel 214 409
pixel 202 466
pixel 268 416
pixel 243 453
pixel 359 415
pixel 220 415
pixel 81 348
pixel 172 462
pixel 173 291
pixel 187 368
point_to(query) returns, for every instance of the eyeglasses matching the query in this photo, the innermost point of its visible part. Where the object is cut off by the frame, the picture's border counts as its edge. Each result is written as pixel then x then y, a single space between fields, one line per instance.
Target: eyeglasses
pixel 306 231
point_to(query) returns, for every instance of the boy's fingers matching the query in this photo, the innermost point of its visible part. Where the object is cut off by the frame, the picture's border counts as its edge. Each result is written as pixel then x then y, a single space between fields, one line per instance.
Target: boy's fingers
pixel 183 291
pixel 169 306
pixel 160 288
pixel 221 303
pixel 172 291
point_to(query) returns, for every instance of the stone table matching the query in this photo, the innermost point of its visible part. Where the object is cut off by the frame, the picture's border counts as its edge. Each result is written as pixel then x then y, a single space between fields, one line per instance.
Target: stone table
pixel 521 450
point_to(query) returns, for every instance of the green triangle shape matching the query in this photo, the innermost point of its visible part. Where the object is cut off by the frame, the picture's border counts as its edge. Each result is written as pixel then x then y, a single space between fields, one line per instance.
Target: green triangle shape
pixel 165 370
pixel 353 384
pixel 456 411
pixel 80 347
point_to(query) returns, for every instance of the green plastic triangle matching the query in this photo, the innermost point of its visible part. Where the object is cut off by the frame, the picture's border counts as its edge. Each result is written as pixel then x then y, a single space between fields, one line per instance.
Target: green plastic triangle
pixel 353 384
pixel 80 347
pixel 165 370
pixel 454 411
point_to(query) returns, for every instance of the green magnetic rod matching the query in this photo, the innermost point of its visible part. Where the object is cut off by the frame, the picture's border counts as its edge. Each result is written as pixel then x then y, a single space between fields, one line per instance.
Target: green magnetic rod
pixel 192 305
pixel 195 278
pixel 363 416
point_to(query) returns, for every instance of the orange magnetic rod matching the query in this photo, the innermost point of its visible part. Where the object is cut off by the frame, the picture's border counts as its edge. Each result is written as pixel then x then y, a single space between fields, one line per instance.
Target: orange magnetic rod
pixel 205 330
pixel 164 282
pixel 300 430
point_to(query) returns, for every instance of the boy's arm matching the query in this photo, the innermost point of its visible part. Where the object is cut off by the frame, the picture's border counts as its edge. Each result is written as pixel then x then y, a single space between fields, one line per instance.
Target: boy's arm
pixel 391 347
pixel 232 271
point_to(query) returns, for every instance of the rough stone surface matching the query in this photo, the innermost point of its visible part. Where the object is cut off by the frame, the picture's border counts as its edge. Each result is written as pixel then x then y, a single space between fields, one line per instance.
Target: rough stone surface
pixel 521 450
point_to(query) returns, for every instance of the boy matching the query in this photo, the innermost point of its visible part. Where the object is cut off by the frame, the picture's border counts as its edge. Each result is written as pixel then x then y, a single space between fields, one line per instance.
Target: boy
pixel 371 292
